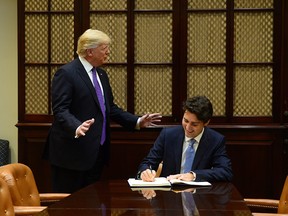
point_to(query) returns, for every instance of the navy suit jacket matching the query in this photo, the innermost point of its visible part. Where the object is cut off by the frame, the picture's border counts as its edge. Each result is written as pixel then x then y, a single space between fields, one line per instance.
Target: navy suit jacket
pixel 74 101
pixel 211 162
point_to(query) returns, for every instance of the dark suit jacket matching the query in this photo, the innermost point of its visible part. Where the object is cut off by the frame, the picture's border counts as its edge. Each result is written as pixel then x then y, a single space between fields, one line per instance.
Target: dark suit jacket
pixel 211 162
pixel 74 101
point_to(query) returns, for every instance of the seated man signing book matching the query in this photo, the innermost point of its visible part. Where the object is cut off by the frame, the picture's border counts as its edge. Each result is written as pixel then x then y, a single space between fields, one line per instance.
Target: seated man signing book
pixel 191 152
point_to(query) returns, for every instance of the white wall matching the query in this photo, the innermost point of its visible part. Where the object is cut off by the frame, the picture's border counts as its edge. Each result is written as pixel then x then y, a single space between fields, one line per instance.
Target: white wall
pixel 8 75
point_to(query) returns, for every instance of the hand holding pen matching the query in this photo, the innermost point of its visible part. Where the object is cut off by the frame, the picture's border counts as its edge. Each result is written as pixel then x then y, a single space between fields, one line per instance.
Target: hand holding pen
pixel 148 175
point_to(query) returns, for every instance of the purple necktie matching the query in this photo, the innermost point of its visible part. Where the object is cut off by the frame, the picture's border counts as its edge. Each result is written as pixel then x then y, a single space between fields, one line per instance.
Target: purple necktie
pixel 101 102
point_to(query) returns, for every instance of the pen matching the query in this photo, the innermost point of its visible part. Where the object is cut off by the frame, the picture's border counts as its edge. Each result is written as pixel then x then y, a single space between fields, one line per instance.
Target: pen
pixel 153 173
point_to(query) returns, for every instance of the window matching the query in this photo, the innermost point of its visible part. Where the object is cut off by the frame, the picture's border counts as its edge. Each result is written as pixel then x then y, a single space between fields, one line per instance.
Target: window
pixel 162 51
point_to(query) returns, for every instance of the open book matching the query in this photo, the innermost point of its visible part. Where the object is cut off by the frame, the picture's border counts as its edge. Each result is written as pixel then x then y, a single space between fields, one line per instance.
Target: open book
pixel 164 182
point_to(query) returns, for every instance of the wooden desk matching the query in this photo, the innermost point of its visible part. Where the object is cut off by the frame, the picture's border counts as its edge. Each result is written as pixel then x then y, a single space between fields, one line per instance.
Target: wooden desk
pixel 115 197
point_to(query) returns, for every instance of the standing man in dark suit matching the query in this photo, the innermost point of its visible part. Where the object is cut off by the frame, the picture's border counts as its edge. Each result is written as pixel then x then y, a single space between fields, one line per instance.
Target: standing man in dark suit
pixel 79 139
pixel 210 163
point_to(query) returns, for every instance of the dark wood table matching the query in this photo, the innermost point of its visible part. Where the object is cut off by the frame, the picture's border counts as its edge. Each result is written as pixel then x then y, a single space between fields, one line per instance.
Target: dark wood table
pixel 115 197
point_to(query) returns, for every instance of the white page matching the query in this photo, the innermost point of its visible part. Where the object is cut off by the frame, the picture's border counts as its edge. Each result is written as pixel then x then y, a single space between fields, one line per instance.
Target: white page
pixel 193 183
pixel 159 182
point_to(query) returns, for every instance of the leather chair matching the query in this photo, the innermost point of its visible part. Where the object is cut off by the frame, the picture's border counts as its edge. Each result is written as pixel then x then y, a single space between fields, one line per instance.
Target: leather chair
pixel 280 205
pixel 23 188
pixel 6 205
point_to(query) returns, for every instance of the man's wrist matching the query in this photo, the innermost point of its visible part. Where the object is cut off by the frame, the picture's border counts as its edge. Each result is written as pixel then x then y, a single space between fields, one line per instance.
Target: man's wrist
pixel 138 176
pixel 76 132
pixel 137 127
pixel 194 175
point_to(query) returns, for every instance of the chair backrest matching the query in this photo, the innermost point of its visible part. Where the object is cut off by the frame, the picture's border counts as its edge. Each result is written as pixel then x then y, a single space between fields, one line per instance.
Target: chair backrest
pixel 6 205
pixel 283 202
pixel 21 184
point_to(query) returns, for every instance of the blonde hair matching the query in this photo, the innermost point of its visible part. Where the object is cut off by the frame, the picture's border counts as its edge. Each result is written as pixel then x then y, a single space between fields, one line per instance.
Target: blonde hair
pixel 91 38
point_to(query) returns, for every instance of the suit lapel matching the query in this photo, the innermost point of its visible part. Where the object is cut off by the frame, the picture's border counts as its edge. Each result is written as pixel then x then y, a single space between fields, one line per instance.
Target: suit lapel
pixel 203 145
pixel 178 149
pixel 86 79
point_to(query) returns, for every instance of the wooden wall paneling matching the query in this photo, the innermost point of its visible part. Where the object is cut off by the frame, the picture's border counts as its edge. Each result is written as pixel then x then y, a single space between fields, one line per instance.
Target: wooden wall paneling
pixel 258 159
pixel 32 138
pixel 127 151
pixel 251 161
pixel 257 155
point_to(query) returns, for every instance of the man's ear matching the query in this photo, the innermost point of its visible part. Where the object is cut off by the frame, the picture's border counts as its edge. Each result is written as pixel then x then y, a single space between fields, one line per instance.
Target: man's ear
pixel 205 124
pixel 89 52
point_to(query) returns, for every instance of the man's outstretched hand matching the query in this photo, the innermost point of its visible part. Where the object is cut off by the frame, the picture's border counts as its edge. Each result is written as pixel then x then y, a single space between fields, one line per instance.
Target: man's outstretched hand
pixel 149 120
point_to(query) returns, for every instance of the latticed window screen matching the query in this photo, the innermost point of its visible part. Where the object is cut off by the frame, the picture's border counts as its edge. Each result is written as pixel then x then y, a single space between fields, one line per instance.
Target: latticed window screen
pixel 206 38
pixel 118 81
pixel 36 90
pixel 207 44
pixel 114 25
pixel 209 81
pixel 253 91
pixel 253 42
pixel 50 36
pixel 153 43
pixel 153 89
pixel 153 5
pixel 153 38
pixel 108 5
pixel 211 4
pixel 49 39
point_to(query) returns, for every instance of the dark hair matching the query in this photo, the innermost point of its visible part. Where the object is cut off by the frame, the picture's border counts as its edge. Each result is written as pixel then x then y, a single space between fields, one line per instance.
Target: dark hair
pixel 200 106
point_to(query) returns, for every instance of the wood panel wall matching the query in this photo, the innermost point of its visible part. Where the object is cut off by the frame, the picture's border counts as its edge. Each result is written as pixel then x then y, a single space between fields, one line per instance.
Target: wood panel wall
pixel 258 154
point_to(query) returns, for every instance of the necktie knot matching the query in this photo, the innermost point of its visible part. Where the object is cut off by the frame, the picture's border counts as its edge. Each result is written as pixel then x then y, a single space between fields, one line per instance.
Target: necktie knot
pixel 192 142
pixel 94 70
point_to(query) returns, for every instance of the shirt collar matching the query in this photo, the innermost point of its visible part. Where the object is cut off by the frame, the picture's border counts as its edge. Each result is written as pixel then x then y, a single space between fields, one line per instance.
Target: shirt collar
pixel 88 67
pixel 197 138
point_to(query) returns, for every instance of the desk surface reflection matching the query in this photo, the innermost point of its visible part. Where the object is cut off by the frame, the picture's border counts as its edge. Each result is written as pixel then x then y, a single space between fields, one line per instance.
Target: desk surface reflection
pixel 115 197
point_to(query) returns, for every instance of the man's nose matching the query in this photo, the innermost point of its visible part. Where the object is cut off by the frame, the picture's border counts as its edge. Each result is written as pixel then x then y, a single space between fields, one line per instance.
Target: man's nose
pixel 188 127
